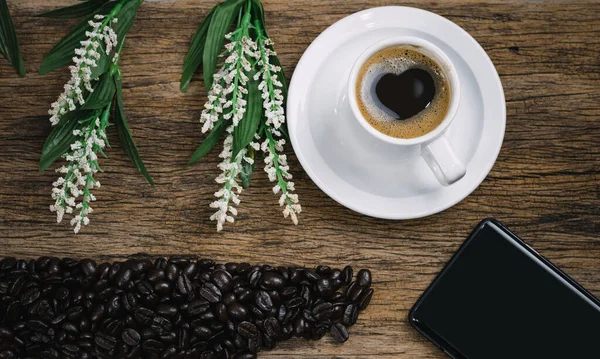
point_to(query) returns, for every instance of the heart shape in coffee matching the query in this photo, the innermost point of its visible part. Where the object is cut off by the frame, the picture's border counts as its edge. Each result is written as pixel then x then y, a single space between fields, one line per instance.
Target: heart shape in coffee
pixel 406 94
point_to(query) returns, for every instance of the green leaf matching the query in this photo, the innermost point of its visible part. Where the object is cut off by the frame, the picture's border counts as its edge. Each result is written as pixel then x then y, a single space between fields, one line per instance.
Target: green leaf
pixel 193 59
pixel 60 139
pixel 62 53
pixel 209 142
pixel 244 132
pixel 103 93
pixel 9 44
pixel 125 134
pixel 222 19
pixel 126 17
pixel 74 11
pixel 258 13
pixel 248 169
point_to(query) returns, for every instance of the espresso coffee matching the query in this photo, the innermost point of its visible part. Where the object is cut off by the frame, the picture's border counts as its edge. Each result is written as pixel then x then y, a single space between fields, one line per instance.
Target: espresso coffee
pixel 402 92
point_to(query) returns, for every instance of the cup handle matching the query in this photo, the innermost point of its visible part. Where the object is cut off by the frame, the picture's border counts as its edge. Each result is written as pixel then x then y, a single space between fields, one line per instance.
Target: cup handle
pixel 443 161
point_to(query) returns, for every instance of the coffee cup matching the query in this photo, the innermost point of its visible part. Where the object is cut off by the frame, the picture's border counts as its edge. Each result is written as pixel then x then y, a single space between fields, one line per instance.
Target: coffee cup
pixel 436 149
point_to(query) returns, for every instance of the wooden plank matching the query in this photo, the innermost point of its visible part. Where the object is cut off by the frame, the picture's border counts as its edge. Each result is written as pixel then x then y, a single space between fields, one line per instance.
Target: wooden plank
pixel 545 185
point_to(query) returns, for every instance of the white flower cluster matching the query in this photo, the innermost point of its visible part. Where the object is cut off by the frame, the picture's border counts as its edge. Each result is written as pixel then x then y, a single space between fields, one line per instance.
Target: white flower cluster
pixel 81 72
pixel 78 175
pixel 229 84
pixel 277 169
pixel 272 96
pixel 231 188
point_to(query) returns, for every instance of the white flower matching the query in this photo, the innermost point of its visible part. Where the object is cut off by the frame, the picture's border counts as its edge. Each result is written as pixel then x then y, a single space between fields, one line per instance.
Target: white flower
pixel 231 189
pixel 270 86
pixel 81 71
pixel 72 190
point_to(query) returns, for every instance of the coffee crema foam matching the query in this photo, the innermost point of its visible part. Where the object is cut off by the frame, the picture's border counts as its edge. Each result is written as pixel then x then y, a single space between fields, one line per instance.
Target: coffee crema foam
pixel 396 60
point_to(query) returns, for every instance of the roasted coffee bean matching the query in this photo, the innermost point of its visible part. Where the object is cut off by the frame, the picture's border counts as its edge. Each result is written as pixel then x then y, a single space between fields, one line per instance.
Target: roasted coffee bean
pixel 70 350
pixel 152 346
pixel 324 286
pixel 350 315
pixel 166 310
pixel 198 307
pixel 30 295
pixel 123 277
pixel 161 325
pixel 323 311
pixel 271 280
pixel 162 287
pixel 203 332
pixel 144 316
pixel 255 277
pixel 365 299
pixel 131 337
pixel 184 284
pixel 105 342
pixel 228 298
pixel 210 292
pixel 295 302
pixel 221 310
pixel 354 291
pixel 312 275
pixel 347 275
pixel 144 287
pixel 245 356
pixel 244 295
pixel 363 278
pixel 289 292
pixel 263 301
pixel 247 330
pixel 130 302
pixel 237 311
pixel 339 333
pixel 272 327
pixel 223 280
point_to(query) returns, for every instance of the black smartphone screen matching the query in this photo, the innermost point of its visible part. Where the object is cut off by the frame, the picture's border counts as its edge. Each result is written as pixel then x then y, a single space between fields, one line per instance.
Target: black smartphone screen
pixel 498 298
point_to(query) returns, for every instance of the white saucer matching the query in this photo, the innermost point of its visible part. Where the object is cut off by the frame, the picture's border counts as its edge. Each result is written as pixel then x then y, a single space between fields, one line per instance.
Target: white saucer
pixel 363 173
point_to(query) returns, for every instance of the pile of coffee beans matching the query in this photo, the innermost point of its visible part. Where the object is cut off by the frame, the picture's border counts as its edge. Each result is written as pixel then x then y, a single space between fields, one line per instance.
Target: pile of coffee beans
pixel 170 308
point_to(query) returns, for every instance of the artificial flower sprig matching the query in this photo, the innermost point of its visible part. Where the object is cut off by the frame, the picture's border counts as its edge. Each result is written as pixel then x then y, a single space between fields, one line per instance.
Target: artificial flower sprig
pixel 245 104
pixel 80 116
pixel 9 44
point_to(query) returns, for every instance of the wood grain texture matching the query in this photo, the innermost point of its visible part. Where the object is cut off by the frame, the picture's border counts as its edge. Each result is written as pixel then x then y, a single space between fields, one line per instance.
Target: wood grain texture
pixel 545 185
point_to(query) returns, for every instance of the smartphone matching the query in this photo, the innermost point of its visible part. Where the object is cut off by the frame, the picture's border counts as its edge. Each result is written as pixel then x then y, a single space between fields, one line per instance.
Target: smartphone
pixel 498 298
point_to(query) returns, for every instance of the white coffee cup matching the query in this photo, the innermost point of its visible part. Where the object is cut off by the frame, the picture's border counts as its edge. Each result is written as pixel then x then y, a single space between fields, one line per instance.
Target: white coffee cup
pixel 436 150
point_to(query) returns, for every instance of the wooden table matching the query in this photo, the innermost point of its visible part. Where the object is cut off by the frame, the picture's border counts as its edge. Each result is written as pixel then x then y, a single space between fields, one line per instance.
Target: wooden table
pixel 545 185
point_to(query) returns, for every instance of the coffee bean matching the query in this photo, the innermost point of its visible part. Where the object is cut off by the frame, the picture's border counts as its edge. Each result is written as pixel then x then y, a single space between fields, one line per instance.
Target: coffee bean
pixel 70 350
pixel 255 277
pixel 105 342
pixel 347 275
pixel 363 278
pixel 323 311
pixel 263 301
pixel 223 280
pixel 312 275
pixel 161 325
pixel 324 286
pixel 30 295
pixel 152 346
pixel 131 337
pixel 166 310
pixel 272 280
pixel 144 316
pixel 350 315
pixel 289 292
pixel 339 333
pixel 202 332
pixel 210 292
pixel 365 299
pixel 247 330
pixel 237 311
pixel 272 327
pixel 228 298
pixel 354 291
pixel 123 277
pixel 184 284
pixel 162 287
pixel 144 287
pixel 198 307
pixel 245 356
